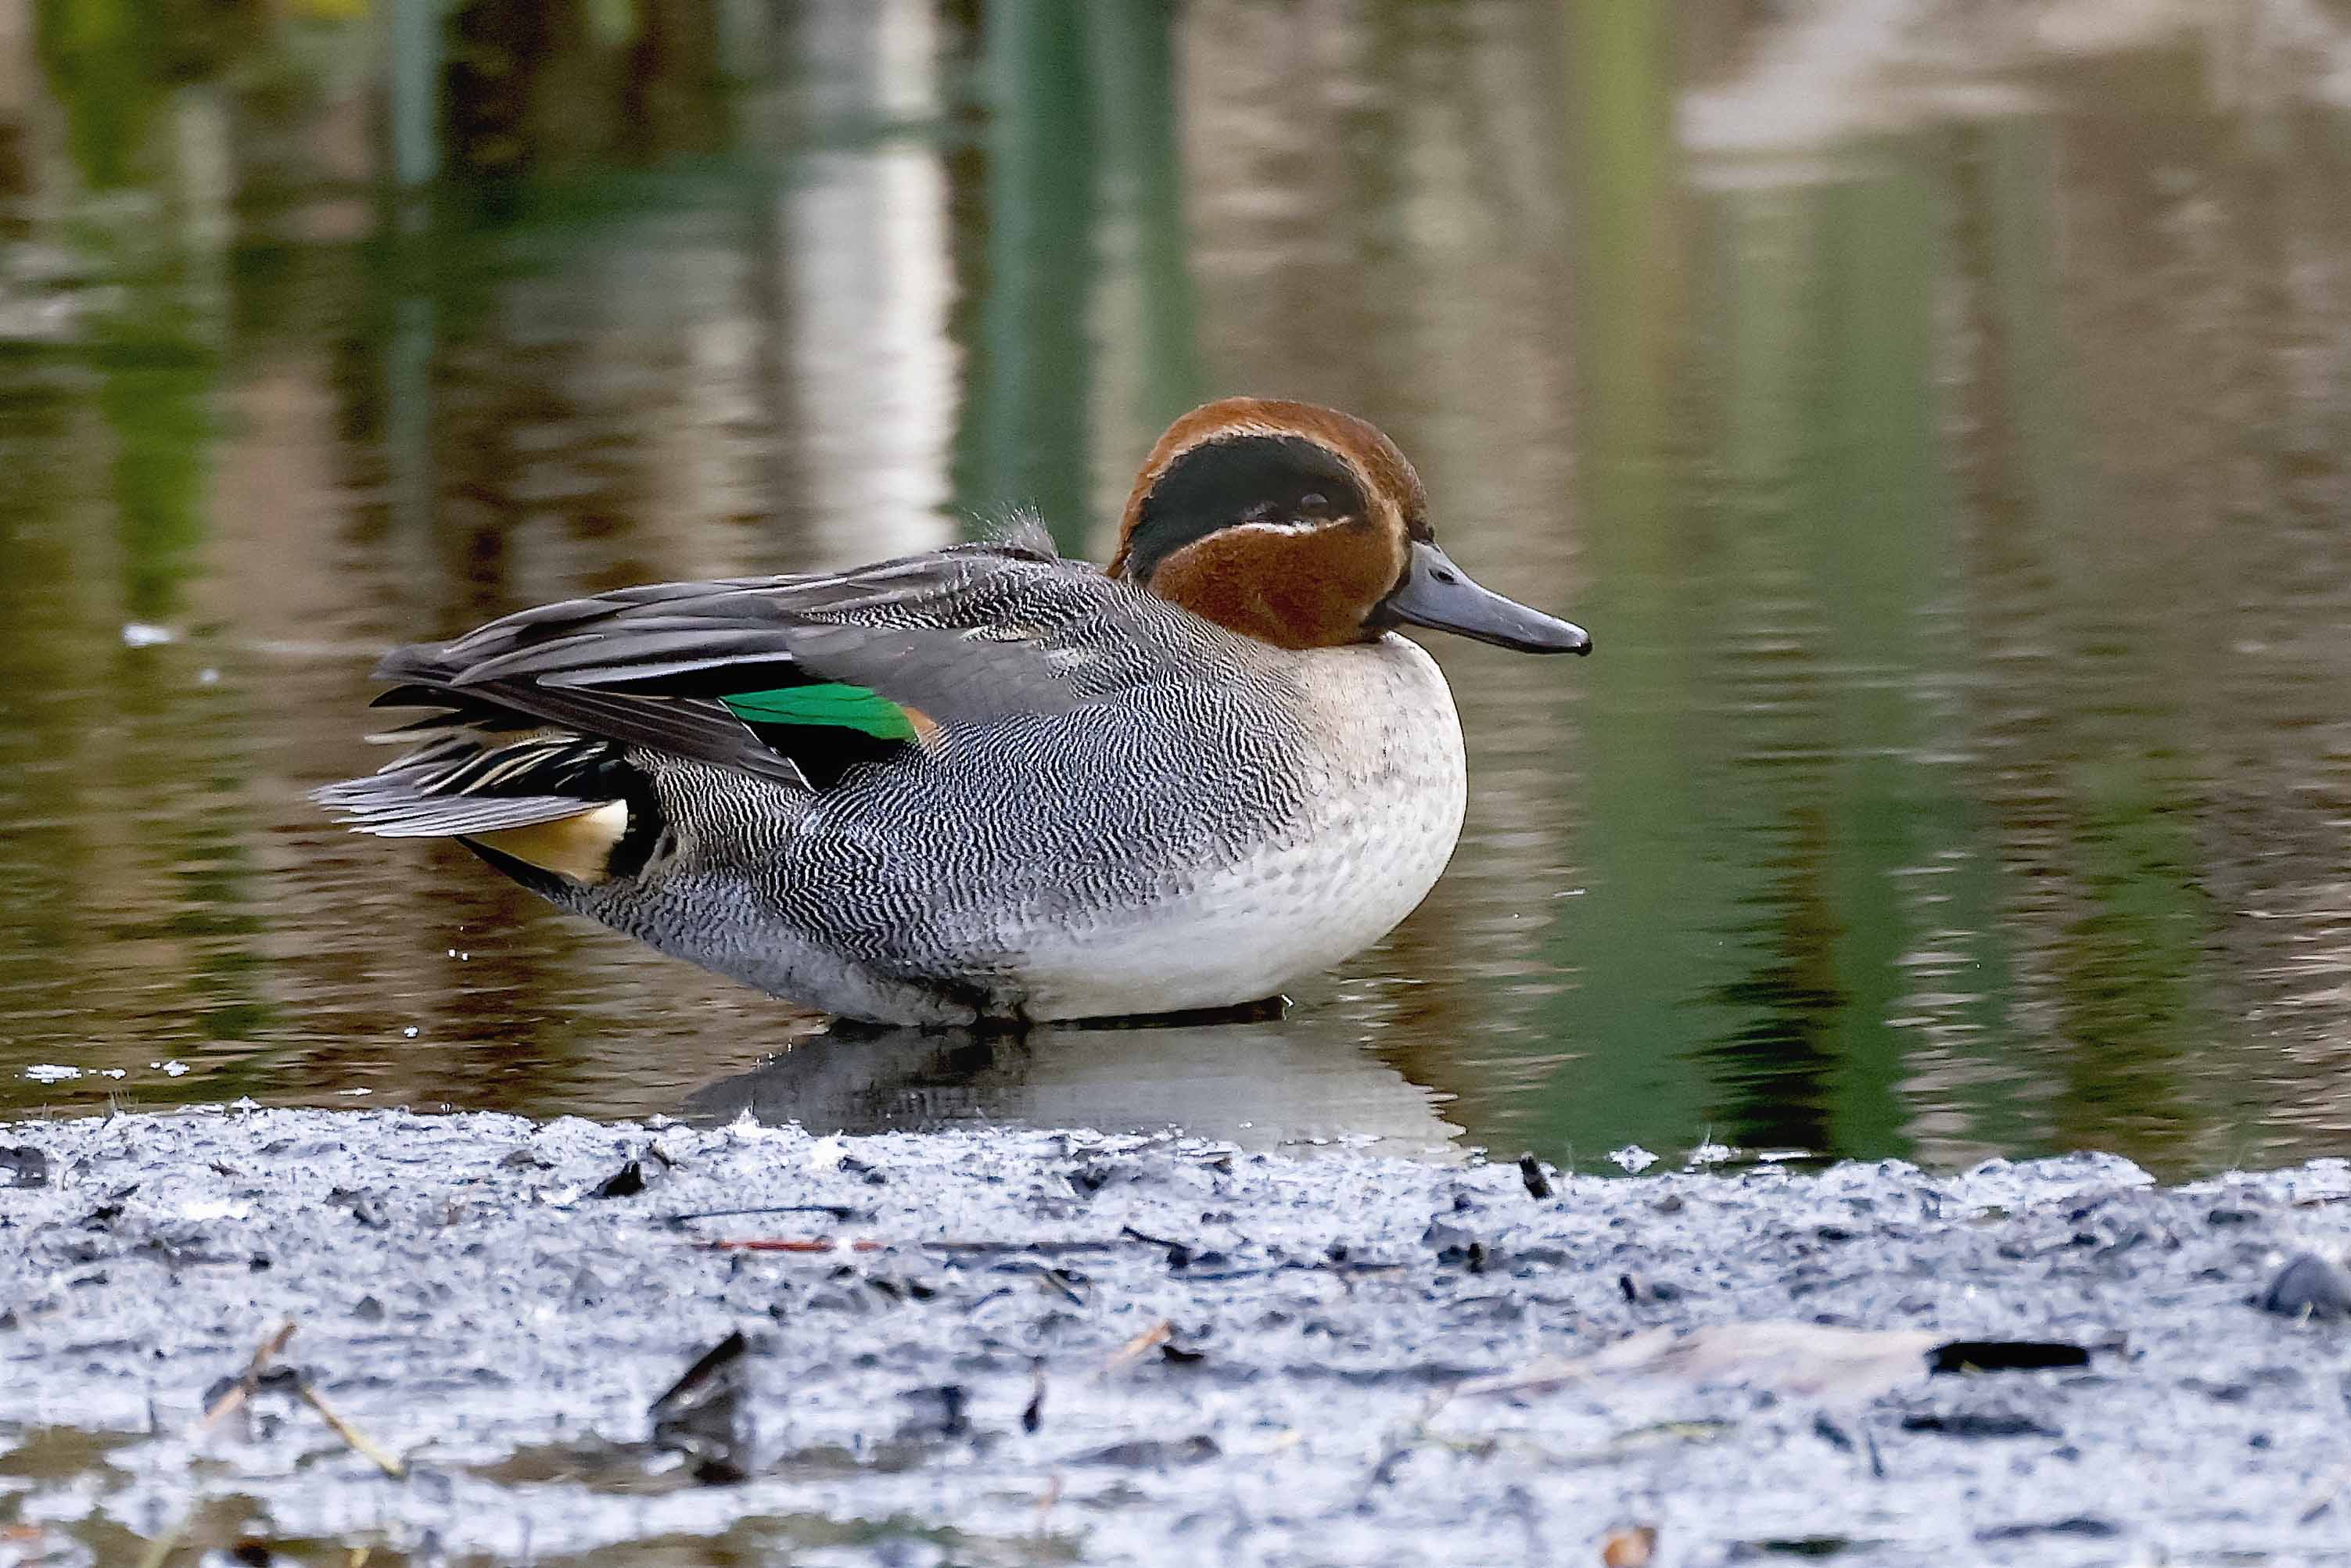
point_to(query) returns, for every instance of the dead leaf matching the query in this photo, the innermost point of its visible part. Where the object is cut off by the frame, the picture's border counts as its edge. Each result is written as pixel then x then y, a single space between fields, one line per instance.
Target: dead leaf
pixel 1631 1547
pixel 1802 1359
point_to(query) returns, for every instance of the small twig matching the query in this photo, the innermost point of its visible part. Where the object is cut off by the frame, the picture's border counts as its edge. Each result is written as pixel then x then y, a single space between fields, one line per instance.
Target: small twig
pixel 2323 1496
pixel 986 1247
pixel 1131 1233
pixel 838 1210
pixel 1345 1271
pixel 162 1546
pixel 358 1440
pixel 242 1389
pixel 1045 1503
pixel 1062 1281
pixel 1134 1350
pixel 976 1249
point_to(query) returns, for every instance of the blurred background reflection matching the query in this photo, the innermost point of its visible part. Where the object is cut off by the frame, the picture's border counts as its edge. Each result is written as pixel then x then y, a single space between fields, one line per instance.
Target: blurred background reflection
pixel 1940 412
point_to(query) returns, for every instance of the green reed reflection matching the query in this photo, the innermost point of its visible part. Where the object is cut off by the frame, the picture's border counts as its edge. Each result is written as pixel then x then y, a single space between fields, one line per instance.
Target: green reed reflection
pixel 1630 938
pixel 1030 420
pixel 1786 746
pixel 1082 154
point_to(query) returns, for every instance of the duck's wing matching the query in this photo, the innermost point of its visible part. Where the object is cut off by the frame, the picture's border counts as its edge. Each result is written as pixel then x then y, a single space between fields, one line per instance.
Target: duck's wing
pixel 793 678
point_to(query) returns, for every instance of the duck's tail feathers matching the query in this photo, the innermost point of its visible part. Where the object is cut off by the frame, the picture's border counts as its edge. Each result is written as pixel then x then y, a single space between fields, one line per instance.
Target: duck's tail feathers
pixel 566 804
pixel 429 675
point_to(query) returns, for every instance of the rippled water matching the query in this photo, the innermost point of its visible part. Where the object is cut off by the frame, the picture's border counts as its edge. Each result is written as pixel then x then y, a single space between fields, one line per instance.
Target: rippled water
pixel 1943 430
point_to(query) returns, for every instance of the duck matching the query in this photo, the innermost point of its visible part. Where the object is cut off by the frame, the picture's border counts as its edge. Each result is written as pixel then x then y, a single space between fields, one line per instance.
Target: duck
pixel 986 784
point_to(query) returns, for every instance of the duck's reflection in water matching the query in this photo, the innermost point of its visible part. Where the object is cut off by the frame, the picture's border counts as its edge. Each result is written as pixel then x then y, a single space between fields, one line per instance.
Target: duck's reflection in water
pixel 1280 1083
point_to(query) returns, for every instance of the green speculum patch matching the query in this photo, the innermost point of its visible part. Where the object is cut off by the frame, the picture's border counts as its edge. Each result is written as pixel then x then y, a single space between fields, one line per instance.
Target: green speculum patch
pixel 832 704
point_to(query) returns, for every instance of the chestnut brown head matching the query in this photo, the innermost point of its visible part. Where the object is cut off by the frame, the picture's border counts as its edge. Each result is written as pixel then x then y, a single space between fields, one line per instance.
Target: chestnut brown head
pixel 1304 528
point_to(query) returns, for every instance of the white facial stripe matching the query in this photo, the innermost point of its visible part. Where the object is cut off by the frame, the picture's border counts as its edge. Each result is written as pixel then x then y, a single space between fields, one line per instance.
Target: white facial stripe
pixel 1299 527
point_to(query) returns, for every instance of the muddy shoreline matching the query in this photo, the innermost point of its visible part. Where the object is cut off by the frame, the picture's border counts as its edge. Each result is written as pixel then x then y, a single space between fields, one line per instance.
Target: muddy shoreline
pixel 1034 1347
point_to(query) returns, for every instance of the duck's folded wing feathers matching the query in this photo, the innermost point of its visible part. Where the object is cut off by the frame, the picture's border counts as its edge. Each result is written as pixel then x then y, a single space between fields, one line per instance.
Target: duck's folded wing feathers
pixel 962 635
pixel 699 729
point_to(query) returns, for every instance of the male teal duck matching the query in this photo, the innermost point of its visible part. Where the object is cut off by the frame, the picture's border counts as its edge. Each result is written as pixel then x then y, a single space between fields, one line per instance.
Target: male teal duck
pixel 990 783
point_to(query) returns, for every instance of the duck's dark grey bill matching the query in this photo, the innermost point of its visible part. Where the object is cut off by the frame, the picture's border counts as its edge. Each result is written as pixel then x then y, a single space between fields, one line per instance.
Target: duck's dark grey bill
pixel 1437 594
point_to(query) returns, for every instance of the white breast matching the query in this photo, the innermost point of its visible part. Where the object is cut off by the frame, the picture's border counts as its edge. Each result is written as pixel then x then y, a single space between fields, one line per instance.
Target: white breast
pixel 1382 810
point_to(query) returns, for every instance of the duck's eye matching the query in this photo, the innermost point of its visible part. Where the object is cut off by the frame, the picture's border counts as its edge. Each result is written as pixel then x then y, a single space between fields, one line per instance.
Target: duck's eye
pixel 1313 504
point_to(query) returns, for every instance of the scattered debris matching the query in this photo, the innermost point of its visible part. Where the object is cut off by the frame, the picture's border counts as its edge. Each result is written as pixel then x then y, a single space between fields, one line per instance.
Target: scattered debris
pixel 941 1411
pixel 1813 1546
pixel 1453 1245
pixel 1065 1282
pixel 1180 1254
pixel 1636 1291
pixel 1046 1245
pixel 2323 1496
pixel 907 1335
pixel 25 1166
pixel 2311 1287
pixel 701 1416
pixel 1154 1453
pixel 1530 1171
pixel 2005 1356
pixel 1977 1424
pixel 365 1207
pixel 900 1290
pixel 1032 1414
pixel 2081 1526
pixel 837 1210
pixel 626 1182
pixel 791 1244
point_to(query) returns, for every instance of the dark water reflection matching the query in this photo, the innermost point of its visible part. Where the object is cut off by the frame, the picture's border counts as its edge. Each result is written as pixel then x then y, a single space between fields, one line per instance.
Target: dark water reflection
pixel 1948 445
pixel 1292 1083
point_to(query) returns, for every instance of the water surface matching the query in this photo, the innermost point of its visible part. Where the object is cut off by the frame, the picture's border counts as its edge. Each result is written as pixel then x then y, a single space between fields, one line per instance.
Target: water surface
pixel 1944 435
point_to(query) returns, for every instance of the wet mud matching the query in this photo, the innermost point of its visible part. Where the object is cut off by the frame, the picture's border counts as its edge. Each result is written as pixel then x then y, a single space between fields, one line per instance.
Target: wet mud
pixel 579 1343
